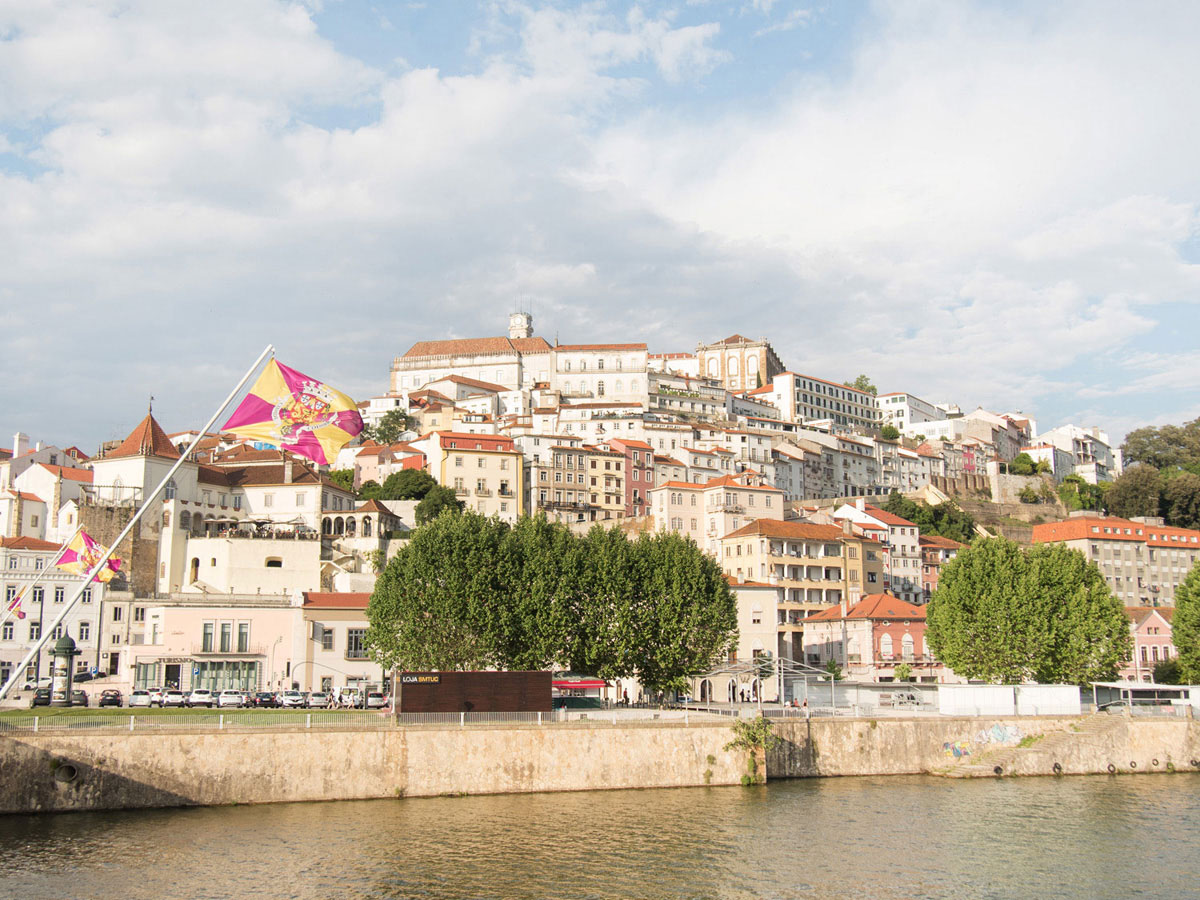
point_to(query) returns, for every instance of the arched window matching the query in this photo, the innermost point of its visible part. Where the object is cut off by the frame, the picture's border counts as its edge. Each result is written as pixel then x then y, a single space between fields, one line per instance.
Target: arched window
pixel 274 562
pixel 732 367
pixel 751 365
pixel 195 570
pixel 366 526
pixel 906 646
pixel 633 386
pixel 600 388
pixel 327 526
pixel 169 490
pixel 693 499
pixel 185 520
pixel 885 646
pixel 713 367
pixel 166 523
pixel 197 524
pixel 566 365
pixel 620 386
pixel 351 525
pixel 339 526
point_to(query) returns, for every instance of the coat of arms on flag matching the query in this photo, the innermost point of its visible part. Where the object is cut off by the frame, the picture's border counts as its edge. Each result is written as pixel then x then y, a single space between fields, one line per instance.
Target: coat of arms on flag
pixel 296 413
pixel 14 605
pixel 83 553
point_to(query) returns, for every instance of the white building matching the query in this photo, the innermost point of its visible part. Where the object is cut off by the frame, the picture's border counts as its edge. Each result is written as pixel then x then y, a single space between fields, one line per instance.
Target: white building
pixel 1093 458
pixel 901 409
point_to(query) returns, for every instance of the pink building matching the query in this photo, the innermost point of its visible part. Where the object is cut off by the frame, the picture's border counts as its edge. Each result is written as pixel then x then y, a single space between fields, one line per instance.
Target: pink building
pixel 872 638
pixel 1151 630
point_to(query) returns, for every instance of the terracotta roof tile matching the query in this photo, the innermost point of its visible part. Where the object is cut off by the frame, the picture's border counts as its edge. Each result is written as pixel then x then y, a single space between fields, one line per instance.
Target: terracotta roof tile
pixel 147 439
pixel 873 606
pixel 493 346
pixel 69 474
pixel 333 600
pixel 27 543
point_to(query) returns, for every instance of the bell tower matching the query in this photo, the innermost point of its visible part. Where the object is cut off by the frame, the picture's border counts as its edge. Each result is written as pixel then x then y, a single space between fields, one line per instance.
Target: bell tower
pixel 520 325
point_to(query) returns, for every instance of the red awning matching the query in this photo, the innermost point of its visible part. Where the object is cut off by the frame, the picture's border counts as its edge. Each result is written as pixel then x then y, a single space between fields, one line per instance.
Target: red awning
pixel 581 683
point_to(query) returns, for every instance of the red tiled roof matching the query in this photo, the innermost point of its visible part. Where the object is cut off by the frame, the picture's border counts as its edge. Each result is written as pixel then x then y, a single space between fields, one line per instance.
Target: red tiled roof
pixel 493 346
pixel 147 439
pixel 69 474
pixel 471 382
pixel 1080 528
pixel 25 495
pixel 796 530
pixel 731 481
pixel 942 543
pixel 27 543
pixel 873 606
pixel 374 506
pixel 486 441
pixel 887 518
pixel 636 445
pixel 332 600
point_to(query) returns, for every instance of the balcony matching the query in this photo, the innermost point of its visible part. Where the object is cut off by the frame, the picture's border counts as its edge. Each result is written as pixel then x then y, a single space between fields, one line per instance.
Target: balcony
pixel 483 492
pixel 461 492
pixel 254 650
pixel 506 492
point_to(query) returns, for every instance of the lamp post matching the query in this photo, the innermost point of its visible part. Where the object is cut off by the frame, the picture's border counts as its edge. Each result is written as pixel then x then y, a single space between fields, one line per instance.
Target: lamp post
pixel 278 641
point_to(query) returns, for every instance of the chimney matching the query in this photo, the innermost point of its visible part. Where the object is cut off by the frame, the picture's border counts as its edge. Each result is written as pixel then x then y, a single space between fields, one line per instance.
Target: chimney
pixel 20 444
pixel 844 607
pixel 846 529
pixel 287 470
pixel 860 504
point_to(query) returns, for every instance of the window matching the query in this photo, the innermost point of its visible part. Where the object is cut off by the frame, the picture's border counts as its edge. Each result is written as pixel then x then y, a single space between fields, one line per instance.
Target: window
pixel 118 613
pixel 8 632
pixel 59 593
pixel 85 631
pixel 87 598
pixel 169 490
pixel 39 595
pixel 206 639
pixel 355 643
pixel 139 614
pixel 35 631
pixel 12 562
pixel 326 638
pixel 237 501
pixel 268 500
pixel 243 637
pixel 458 462
pixel 299 499
pixel 226 636
pixel 274 562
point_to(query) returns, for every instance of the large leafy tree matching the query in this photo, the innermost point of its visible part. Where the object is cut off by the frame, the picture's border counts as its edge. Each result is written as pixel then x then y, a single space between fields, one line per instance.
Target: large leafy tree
pixel 1075 493
pixel 1185 626
pixel 1004 615
pixel 1167 447
pixel 433 503
pixel 1181 500
pixel 945 519
pixel 1138 492
pixel 407 484
pixel 343 478
pixel 863 383
pixel 468 592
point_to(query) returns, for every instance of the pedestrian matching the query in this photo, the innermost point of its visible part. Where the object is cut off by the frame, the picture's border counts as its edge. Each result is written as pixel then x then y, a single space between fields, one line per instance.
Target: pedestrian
pixel 625 697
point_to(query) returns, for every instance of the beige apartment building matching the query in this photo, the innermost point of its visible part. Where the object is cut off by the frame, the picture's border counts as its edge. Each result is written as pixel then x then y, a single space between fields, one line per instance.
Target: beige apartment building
pixel 817 566
pixel 707 512
pixel 1142 560
pixel 486 471
pixel 579 485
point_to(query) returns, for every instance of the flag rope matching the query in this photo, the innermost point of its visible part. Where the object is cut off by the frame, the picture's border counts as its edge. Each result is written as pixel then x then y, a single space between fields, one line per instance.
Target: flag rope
pixel 49 629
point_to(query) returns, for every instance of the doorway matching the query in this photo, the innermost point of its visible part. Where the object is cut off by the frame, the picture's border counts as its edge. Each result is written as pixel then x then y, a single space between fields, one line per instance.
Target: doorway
pixel 171 676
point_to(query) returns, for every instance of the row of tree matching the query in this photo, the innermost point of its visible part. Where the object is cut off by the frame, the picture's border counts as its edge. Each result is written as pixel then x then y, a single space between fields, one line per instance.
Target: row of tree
pixel 1004 614
pixel 1143 490
pixel 470 592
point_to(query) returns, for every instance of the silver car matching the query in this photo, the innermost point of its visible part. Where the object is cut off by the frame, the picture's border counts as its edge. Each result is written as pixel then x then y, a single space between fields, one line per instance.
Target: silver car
pixel 139 698
pixel 291 698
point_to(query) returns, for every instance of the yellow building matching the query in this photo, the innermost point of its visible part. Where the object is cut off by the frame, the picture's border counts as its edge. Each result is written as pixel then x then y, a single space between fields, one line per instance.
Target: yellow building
pixel 484 470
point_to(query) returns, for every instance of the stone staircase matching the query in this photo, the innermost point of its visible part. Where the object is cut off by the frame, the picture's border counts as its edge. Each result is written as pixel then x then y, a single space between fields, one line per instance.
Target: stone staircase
pixel 1002 761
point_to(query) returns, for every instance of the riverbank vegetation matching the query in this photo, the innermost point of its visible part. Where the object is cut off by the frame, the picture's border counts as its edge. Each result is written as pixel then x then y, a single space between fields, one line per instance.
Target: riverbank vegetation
pixel 1008 615
pixel 469 592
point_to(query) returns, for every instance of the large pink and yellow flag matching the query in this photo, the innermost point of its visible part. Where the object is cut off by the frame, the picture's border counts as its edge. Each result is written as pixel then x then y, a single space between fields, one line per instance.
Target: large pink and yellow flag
pixel 296 413
pixel 14 605
pixel 83 553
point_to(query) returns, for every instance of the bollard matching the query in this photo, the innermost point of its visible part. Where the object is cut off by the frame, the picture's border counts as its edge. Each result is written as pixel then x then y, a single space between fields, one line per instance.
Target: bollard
pixel 35 724
pixel 539 717
pixel 308 720
pixel 131 723
pixel 462 720
pixel 221 722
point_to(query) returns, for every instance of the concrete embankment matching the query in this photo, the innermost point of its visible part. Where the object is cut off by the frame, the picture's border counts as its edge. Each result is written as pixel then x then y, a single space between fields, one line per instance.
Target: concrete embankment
pixel 64 771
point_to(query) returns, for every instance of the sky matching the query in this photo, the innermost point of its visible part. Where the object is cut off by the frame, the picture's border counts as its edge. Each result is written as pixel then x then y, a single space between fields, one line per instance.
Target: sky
pixel 988 203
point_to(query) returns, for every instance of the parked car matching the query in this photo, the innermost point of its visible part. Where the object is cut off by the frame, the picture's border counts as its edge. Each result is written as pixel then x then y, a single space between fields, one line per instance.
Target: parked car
pixel 109 697
pixel 230 699
pixel 82 675
pixel 139 698
pixel 79 697
pixel 201 697
pixel 265 700
pixel 41 697
pixel 173 698
pixel 292 699
pixel 41 683
pixel 318 700
pixel 156 696
pixel 376 700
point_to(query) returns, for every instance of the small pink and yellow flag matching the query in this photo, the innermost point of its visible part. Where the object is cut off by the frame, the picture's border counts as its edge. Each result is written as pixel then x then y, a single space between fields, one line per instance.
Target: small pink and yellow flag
pixel 83 553
pixel 14 605
pixel 296 413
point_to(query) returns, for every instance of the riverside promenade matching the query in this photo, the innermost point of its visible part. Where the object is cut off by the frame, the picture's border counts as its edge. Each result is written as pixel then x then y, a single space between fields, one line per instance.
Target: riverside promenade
pixel 93 766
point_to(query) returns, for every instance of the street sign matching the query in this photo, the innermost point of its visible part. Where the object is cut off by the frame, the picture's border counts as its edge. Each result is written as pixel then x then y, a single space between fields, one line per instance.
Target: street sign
pixel 195 671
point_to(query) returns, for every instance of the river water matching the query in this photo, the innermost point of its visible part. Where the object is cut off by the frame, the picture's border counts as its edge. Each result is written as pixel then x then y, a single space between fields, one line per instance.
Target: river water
pixel 898 837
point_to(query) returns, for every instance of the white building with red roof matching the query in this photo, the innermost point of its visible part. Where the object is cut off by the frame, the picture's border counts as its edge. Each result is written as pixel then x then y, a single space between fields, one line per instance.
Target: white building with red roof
pixel 901 546
pixel 707 512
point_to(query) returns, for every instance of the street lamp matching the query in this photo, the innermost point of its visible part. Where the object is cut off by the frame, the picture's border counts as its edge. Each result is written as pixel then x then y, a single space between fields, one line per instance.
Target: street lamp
pixel 278 641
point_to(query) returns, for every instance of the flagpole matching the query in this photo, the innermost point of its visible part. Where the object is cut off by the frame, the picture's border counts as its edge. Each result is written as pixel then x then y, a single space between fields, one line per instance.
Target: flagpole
pixel 11 607
pixel 49 630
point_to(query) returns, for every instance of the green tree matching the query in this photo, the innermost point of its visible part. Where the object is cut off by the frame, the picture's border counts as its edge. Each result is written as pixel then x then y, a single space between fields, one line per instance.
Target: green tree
pixel 393 424
pixel 1022 464
pixel 834 668
pixel 945 519
pixel 1043 467
pixel 889 433
pixel 1185 626
pixel 1138 492
pixel 369 490
pixel 1029 494
pixel 863 383
pixel 1076 494
pixel 439 499
pixel 1181 500
pixel 756 736
pixel 343 478
pixel 407 484
pixel 1168 671
pixel 1170 446
pixel 904 672
pixel 1003 615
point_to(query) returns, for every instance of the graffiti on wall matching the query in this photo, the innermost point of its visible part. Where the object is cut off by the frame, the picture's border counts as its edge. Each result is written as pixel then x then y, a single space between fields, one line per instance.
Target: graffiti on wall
pixel 957 749
pixel 997 734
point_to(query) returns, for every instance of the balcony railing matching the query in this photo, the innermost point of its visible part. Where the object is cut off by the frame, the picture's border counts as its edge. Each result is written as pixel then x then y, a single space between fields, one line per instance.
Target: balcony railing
pixel 255 650
pixel 483 492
